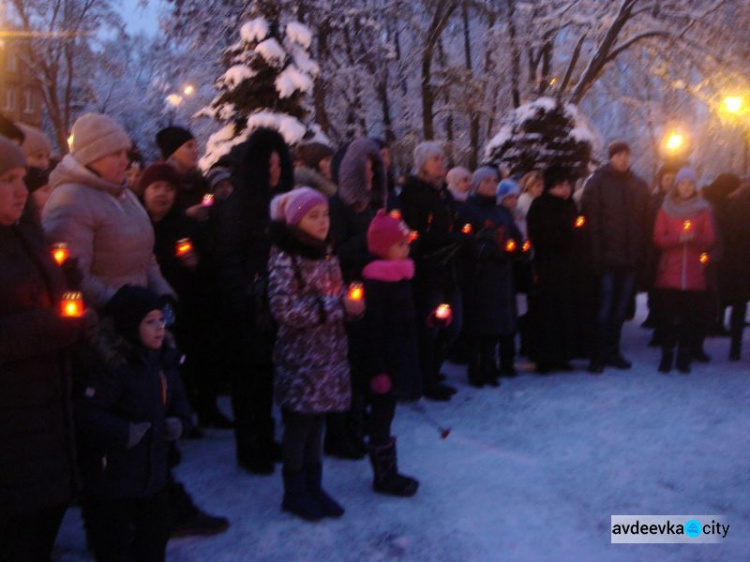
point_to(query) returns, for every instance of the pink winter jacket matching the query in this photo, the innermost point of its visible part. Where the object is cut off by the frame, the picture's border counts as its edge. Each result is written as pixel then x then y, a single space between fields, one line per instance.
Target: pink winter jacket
pixel 682 264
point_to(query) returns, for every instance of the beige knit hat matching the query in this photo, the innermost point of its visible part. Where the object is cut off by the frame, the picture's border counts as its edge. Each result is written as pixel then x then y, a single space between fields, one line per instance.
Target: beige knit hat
pixel 36 141
pixel 94 136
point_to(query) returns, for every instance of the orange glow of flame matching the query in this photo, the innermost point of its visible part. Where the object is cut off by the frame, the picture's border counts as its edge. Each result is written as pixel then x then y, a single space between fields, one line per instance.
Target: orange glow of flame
pixel 395 214
pixel 208 200
pixel 356 292
pixel 687 226
pixel 413 236
pixel 72 305
pixel 580 221
pixel 510 246
pixel 466 229
pixel 184 246
pixel 443 311
pixel 60 252
pixel 526 246
pixel 704 259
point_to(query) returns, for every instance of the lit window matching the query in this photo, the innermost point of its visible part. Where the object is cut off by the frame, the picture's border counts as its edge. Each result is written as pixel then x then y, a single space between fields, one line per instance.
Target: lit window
pixel 10 100
pixel 28 102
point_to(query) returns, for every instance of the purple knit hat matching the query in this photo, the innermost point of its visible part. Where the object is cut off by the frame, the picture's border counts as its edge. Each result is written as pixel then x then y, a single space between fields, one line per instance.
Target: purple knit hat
pixel 293 206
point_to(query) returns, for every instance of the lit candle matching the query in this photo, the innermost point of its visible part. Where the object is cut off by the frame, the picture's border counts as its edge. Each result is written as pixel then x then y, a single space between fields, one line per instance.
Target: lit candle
pixel 526 246
pixel 466 228
pixel 510 246
pixel 395 214
pixel 580 221
pixel 184 247
pixel 208 200
pixel 356 292
pixel 687 226
pixel 413 236
pixel 60 252
pixel 72 305
pixel 704 259
pixel 443 311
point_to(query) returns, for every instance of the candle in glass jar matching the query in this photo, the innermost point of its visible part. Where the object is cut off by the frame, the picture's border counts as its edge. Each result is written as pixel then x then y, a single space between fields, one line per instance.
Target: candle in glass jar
pixel 526 246
pixel 208 200
pixel 183 247
pixel 466 228
pixel 356 292
pixel 510 245
pixel 443 311
pixel 704 258
pixel 71 305
pixel 60 252
pixel 687 226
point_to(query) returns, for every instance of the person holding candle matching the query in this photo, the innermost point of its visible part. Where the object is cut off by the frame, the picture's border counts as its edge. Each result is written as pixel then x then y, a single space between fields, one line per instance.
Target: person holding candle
pixel 684 233
pixel 101 220
pixel 134 406
pixel 308 299
pixel 362 188
pixel 391 351
pixel 430 210
pixel 37 473
pixel 183 251
pixel 552 232
pixel 488 289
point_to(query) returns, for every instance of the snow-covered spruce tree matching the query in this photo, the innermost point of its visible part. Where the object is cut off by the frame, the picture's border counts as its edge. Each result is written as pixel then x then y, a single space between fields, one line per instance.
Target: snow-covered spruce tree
pixel 269 77
pixel 541 133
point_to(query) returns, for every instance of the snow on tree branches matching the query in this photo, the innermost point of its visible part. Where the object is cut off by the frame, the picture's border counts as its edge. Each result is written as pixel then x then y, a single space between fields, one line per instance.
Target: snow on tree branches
pixel 268 80
pixel 543 132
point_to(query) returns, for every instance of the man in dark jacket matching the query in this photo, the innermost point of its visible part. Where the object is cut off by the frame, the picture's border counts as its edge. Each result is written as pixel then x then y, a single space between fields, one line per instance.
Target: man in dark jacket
pixel 429 209
pixel 617 207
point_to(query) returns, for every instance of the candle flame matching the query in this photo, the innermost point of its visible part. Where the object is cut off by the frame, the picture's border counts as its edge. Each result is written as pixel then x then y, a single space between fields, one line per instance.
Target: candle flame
pixel 443 311
pixel 580 221
pixel 510 246
pixel 72 305
pixel 60 252
pixel 356 292
pixel 208 200
pixel 526 246
pixel 466 229
pixel 704 259
pixel 184 246
pixel 687 225
pixel 413 236
pixel 395 214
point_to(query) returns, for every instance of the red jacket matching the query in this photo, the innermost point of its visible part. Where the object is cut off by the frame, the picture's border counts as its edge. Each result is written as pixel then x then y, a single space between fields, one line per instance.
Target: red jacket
pixel 682 264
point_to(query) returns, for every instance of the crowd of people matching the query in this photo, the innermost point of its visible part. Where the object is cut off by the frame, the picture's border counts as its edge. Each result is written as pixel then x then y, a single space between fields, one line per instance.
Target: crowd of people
pixel 132 296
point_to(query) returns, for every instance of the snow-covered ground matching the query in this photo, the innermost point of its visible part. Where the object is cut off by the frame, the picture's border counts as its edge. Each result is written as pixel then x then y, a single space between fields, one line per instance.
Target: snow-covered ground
pixel 531 471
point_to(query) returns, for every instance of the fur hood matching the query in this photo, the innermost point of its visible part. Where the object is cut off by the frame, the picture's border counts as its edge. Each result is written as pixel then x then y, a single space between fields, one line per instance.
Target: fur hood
pixel 312 178
pixel 352 176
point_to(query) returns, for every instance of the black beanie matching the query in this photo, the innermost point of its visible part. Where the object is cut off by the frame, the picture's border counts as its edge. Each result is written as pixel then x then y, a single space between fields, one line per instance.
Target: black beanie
pixel 172 138
pixel 35 179
pixel 129 307
pixel 555 175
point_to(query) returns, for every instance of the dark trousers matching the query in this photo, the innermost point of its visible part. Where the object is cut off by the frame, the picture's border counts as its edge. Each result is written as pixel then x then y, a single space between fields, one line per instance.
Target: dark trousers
pixel 303 439
pixel 252 395
pixel 128 529
pixel 383 410
pixel 30 538
pixel 615 292
pixel 435 342
pixel 682 318
pixel 737 325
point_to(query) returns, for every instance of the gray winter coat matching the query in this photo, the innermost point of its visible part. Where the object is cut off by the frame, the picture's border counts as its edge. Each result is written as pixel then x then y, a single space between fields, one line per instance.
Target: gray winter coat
pixel 107 229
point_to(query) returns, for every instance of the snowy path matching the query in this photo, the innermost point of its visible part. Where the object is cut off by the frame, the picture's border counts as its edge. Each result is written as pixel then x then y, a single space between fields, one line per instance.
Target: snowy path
pixel 532 471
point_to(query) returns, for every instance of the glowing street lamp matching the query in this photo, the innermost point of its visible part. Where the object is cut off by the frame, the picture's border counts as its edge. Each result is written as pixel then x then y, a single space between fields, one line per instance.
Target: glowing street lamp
pixel 188 90
pixel 733 104
pixel 675 141
pixel 175 100
pixel 736 107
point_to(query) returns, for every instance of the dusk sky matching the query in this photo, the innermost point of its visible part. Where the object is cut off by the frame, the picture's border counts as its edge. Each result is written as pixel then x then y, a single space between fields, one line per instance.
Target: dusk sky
pixel 142 18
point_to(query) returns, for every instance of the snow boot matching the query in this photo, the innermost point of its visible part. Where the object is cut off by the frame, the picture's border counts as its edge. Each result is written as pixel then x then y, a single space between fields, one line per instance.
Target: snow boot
pixel 683 361
pixel 386 479
pixel 667 359
pixel 297 498
pixel 328 506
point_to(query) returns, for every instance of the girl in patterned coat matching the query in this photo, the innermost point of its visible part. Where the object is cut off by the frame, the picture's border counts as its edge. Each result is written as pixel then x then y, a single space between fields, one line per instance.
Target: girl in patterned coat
pixel 311 378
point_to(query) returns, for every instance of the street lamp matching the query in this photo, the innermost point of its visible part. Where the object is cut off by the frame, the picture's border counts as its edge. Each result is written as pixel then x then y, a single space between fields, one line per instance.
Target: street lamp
pixel 675 141
pixel 175 100
pixel 188 90
pixel 734 105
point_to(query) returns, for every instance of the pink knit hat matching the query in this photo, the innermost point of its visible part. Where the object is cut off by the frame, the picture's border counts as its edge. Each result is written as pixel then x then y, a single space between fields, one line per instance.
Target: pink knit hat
pixel 384 231
pixel 293 206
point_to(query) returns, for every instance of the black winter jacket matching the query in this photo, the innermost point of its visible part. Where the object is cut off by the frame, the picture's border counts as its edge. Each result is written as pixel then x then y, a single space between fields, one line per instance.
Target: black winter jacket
pixel 136 385
pixel 36 431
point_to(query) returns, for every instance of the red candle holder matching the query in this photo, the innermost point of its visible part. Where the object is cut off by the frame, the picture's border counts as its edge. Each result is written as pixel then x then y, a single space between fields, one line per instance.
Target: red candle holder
pixel 208 200
pixel 71 305
pixel 183 247
pixel 526 247
pixel 60 252
pixel 395 214
pixel 356 292
pixel 466 229
pixel 413 236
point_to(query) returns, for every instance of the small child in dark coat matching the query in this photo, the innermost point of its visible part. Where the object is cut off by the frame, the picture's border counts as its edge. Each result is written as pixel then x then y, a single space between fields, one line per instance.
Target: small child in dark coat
pixel 133 407
pixel 392 347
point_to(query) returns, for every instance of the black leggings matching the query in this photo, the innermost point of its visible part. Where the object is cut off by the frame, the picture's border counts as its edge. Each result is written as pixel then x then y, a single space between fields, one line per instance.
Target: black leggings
pixel 682 318
pixel 382 411
pixel 303 439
